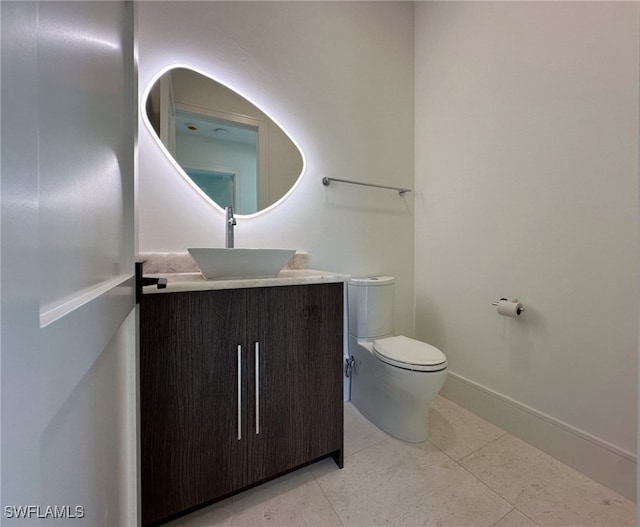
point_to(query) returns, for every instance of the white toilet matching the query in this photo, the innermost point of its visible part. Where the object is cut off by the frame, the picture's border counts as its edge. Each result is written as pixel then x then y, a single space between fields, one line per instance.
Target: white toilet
pixel 393 379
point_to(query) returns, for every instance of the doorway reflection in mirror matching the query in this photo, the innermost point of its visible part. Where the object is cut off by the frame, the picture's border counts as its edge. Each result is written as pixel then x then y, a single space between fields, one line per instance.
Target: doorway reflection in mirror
pixel 230 149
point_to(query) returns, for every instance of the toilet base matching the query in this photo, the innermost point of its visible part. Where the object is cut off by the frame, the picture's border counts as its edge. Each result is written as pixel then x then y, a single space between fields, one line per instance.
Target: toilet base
pixel 394 399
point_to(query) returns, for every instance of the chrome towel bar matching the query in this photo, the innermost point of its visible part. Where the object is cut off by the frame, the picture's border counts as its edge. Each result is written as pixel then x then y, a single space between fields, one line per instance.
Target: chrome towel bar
pixel 400 190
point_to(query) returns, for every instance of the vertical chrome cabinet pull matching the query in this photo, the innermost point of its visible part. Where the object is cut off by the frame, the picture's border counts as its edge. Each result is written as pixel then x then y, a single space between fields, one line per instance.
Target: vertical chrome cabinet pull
pixel 257 388
pixel 239 392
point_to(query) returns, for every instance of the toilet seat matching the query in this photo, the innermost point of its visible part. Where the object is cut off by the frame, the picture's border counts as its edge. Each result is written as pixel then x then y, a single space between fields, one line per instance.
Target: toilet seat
pixel 409 354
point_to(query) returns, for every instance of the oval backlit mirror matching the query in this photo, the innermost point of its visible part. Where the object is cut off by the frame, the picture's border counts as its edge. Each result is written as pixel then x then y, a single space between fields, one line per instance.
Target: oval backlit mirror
pixel 229 150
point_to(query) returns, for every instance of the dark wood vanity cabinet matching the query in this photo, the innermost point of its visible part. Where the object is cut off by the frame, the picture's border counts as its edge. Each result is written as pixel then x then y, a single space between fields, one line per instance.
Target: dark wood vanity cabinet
pixel 237 386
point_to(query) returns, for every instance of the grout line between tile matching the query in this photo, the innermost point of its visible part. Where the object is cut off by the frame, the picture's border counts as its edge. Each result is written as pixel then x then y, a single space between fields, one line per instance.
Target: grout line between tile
pixel 366 447
pixel 315 477
pixel 483 446
pixel 502 517
pixel 516 509
pixel 476 477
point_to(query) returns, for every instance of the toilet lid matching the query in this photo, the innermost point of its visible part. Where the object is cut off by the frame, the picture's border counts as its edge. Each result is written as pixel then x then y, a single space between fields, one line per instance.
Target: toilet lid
pixel 409 354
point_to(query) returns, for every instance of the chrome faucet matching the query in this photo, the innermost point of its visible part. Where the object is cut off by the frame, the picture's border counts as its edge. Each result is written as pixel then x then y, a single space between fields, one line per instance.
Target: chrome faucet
pixel 230 223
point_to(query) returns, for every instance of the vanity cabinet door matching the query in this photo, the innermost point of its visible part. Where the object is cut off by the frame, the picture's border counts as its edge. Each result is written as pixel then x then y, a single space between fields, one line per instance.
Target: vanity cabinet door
pixel 299 408
pixel 209 427
pixel 189 399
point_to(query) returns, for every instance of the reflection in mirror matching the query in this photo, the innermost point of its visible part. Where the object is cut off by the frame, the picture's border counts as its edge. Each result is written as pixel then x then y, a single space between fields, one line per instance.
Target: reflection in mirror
pixel 230 149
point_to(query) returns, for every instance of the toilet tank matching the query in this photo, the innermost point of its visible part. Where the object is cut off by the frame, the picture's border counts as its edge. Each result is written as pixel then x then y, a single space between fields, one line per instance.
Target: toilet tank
pixel 370 302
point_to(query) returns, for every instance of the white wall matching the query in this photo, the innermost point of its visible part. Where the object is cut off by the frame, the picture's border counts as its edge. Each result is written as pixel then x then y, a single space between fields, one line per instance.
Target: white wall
pixel 526 179
pixel 338 77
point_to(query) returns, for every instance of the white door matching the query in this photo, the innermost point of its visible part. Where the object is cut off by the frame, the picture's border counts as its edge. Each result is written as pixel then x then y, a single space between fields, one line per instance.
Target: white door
pixel 68 340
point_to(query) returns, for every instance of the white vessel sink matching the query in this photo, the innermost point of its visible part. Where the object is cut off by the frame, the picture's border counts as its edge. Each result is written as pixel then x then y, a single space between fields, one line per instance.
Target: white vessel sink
pixel 220 263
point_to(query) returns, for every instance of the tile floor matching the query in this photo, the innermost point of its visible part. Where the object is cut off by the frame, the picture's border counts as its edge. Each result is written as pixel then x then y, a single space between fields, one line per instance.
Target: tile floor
pixel 469 473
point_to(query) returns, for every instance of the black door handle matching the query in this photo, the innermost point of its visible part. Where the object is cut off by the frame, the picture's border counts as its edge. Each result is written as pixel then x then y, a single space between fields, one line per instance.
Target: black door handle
pixel 142 281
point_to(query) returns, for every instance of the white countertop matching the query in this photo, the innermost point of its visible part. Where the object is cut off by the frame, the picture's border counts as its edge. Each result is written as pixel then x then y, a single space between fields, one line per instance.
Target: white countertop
pixel 182 282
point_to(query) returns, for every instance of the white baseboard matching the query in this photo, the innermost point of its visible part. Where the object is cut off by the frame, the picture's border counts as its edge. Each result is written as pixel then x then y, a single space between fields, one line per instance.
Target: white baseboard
pixel 601 461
